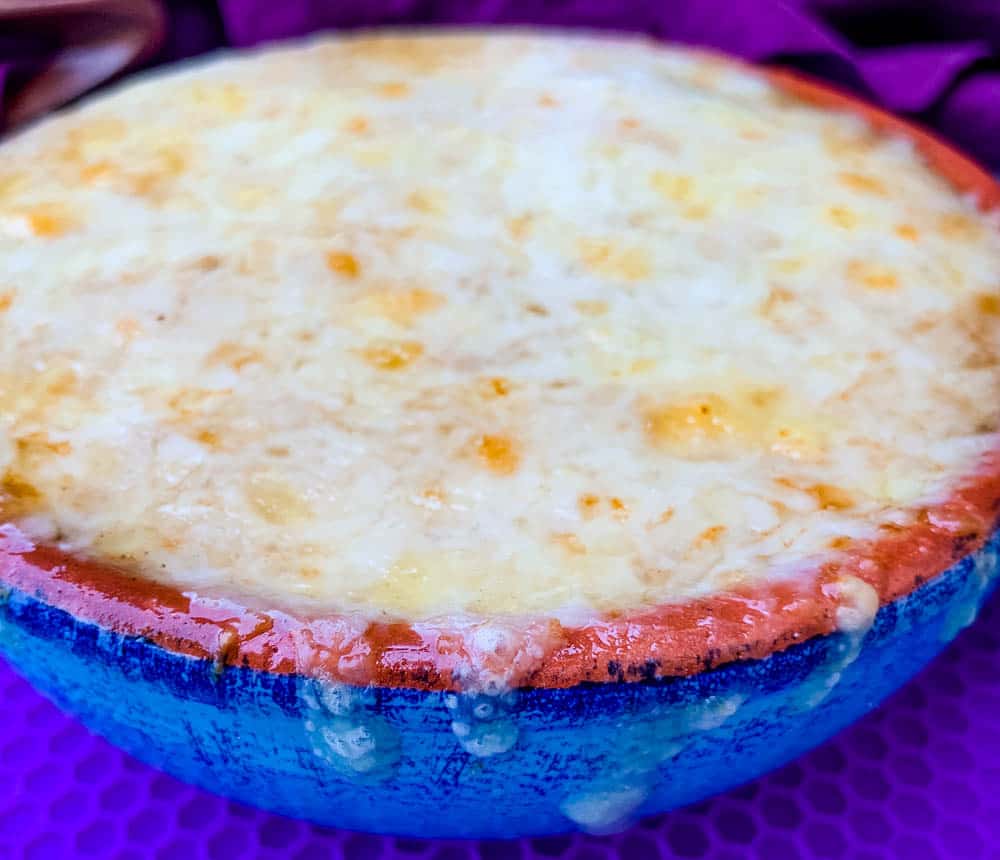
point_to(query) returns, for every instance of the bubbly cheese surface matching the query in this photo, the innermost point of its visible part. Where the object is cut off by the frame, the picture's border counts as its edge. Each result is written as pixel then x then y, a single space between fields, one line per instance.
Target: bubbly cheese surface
pixel 482 324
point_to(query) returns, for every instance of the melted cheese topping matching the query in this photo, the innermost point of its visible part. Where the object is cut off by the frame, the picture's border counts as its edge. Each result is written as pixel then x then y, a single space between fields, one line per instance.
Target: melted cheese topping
pixel 477 325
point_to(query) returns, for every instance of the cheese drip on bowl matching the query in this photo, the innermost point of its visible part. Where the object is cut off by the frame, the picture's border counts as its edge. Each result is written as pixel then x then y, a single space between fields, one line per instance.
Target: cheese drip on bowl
pixel 481 325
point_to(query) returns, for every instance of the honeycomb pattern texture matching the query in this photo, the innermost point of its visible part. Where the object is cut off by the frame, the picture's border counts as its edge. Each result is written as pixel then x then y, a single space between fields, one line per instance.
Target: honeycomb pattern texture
pixel 918 778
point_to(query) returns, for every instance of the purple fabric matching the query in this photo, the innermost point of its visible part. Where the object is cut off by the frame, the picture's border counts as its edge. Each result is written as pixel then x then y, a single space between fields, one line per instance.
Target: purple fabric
pixel 23 52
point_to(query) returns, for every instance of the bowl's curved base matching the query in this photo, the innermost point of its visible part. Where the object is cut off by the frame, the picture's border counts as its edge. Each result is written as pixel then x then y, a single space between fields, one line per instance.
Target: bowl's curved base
pixel 416 763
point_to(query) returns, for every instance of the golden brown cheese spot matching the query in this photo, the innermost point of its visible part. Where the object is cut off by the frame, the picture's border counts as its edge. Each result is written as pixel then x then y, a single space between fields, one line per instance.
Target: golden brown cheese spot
pixel 97 170
pixel 35 444
pixel 570 543
pixel 959 227
pixel 696 212
pixel 357 125
pixel 208 263
pixel 665 517
pixel 536 309
pixel 495 387
pixel 709 536
pixel 843 217
pixel 309 573
pixel 840 542
pixel 588 504
pixel 128 327
pixel 393 355
pixel 33 397
pixel 394 90
pixel 680 189
pixel 209 438
pixel 875 276
pixel 188 402
pixel 605 258
pixel 862 182
pixel 676 188
pixel 618 507
pixel 796 444
pixel 234 355
pixel 415 56
pixel 520 226
pixel 426 201
pixel 58 381
pixel 168 163
pixel 343 263
pixel 831 497
pixel 547 100
pixel 275 500
pixel 46 221
pixel 689 424
pixel 498 453
pixel 46 388
pixel 907 232
pixel 18 496
pixel 432 499
pixel 776 297
pixel 92 137
pixel 988 303
pixel 715 425
pixel 843 143
pixel 6 300
pixel 403 306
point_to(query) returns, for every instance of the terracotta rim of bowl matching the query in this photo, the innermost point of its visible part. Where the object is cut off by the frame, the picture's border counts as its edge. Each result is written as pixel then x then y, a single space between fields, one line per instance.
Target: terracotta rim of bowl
pixel 665 641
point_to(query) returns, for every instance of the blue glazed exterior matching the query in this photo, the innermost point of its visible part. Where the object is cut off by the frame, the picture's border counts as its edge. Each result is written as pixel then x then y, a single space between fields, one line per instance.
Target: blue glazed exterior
pixel 539 761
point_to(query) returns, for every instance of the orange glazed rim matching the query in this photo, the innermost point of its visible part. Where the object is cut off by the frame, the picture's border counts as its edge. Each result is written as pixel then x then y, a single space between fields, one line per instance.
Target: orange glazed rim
pixel 664 641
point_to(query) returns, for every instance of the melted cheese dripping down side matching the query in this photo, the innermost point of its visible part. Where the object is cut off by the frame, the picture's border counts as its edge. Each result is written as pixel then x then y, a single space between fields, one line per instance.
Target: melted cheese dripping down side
pixel 466 325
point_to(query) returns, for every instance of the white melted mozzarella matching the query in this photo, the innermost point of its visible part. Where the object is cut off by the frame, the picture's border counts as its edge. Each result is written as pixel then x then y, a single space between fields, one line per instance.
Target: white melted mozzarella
pixel 424 326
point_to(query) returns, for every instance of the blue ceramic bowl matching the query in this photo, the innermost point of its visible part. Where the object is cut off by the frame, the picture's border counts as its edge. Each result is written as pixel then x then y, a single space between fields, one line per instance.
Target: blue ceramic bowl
pixel 432 763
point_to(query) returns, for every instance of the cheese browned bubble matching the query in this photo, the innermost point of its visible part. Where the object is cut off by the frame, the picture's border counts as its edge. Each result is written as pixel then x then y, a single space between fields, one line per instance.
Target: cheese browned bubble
pixel 447 325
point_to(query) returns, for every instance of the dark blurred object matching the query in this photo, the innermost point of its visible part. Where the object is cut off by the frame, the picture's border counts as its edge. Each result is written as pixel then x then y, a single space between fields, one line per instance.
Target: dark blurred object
pixel 53 50
pixel 935 60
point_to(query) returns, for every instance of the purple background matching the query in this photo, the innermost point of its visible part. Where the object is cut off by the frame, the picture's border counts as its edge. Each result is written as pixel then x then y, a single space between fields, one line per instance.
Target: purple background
pixel 919 778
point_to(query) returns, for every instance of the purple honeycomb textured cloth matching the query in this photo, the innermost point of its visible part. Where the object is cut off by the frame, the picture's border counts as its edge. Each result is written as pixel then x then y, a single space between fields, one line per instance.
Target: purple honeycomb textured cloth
pixel 918 779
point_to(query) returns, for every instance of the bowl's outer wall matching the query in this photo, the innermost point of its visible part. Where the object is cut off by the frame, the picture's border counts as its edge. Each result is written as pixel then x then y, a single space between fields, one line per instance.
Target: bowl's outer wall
pixel 426 763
